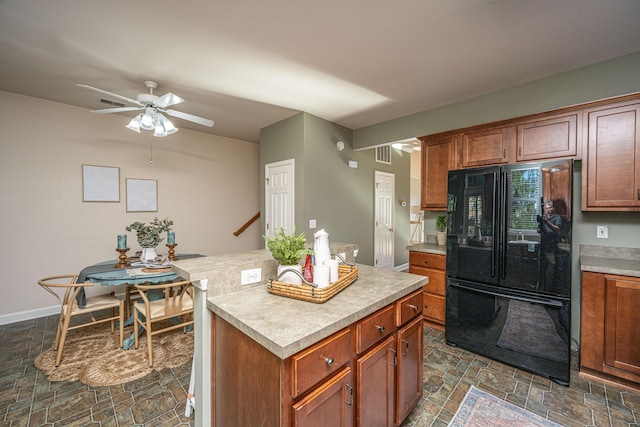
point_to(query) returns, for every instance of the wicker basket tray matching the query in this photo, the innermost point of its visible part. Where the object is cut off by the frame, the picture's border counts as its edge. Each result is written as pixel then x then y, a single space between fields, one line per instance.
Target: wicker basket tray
pixel 347 274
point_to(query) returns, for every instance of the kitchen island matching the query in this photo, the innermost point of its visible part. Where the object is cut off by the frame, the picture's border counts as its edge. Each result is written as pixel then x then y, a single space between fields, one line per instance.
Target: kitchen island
pixel 278 361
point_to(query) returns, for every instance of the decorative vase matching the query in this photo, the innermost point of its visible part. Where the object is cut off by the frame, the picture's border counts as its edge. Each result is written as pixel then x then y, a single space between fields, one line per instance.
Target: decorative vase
pixel 290 277
pixel 441 237
pixel 148 255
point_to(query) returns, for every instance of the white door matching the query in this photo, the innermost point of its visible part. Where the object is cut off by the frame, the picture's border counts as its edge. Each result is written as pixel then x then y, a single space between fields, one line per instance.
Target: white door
pixel 384 219
pixel 279 196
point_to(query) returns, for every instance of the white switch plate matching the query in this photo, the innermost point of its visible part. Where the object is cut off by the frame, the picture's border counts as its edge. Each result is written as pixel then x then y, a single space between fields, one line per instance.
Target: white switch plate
pixel 602 232
pixel 312 223
pixel 248 277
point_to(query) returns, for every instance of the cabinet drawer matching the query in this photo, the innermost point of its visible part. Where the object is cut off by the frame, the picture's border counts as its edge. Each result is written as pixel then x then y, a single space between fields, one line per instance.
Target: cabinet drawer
pixel 372 329
pixel 409 307
pixel 423 259
pixel 320 361
pixel 434 308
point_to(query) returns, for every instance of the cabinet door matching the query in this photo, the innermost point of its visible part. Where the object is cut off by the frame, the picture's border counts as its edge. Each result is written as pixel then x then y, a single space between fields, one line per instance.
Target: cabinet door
pixel 611 180
pixel 548 138
pixel 622 317
pixel 438 157
pixel 375 379
pixel 331 404
pixel 409 369
pixel 486 147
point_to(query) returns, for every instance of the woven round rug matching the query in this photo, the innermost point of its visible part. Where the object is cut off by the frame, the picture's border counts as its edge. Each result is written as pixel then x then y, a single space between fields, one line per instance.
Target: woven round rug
pixel 93 356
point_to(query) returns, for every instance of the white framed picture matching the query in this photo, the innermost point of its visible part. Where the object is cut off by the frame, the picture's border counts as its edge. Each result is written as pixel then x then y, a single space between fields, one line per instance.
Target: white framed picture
pixel 142 195
pixel 100 183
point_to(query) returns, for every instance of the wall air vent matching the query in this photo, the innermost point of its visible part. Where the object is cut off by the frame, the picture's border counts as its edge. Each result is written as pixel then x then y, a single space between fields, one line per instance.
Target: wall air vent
pixel 383 154
pixel 110 102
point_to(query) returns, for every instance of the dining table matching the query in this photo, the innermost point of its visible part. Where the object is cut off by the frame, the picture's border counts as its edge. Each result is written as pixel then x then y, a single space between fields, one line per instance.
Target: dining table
pixel 107 274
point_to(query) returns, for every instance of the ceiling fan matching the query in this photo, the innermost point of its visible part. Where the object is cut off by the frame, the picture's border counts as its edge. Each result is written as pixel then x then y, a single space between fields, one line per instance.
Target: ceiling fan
pixel 153 107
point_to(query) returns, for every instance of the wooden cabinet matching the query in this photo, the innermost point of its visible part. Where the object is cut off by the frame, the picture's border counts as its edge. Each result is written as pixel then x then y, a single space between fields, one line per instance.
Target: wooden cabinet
pixel 438 156
pixel 389 369
pixel 483 147
pixel 409 372
pixel 432 266
pixel 609 328
pixel 611 166
pixel 548 137
pixel 365 373
pixel 329 405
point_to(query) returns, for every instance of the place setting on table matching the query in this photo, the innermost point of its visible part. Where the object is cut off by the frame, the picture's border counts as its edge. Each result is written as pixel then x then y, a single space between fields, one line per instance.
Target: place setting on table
pixel 145 267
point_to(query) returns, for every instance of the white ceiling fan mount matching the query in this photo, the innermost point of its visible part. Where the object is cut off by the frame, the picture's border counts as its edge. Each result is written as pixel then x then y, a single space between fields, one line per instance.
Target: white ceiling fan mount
pixel 153 106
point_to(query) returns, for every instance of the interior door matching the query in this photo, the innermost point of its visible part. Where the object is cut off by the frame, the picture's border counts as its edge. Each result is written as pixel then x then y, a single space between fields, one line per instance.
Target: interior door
pixel 279 196
pixel 384 219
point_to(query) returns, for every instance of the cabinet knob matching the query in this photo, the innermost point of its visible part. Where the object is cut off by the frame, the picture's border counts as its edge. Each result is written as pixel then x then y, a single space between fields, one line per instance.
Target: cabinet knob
pixel 380 328
pixel 328 360
pixel 426 261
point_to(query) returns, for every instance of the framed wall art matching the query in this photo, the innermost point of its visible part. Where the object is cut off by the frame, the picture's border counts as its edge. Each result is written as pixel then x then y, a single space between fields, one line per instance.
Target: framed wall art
pixel 100 184
pixel 142 195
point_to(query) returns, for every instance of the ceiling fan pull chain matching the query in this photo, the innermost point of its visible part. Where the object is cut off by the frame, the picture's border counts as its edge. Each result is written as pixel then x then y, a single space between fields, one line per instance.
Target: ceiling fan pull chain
pixel 151 152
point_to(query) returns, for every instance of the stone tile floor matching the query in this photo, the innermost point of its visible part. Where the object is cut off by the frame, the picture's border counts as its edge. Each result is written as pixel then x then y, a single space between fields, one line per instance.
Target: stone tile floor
pixel 28 399
pixel 449 372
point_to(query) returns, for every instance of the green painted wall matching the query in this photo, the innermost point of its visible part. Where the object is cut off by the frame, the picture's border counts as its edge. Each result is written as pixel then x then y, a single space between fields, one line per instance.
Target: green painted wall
pixel 340 198
pixel 616 77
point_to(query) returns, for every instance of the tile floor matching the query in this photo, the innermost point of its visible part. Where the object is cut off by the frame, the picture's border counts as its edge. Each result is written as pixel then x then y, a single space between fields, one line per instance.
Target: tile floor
pixel 28 399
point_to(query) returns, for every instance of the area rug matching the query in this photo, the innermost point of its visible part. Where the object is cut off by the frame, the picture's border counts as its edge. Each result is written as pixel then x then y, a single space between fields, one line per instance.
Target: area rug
pixel 524 317
pixel 93 356
pixel 480 409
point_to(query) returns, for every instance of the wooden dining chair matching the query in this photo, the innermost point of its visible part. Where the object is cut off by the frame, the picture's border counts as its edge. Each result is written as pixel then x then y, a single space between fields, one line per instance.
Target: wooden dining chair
pixel 175 304
pixel 69 308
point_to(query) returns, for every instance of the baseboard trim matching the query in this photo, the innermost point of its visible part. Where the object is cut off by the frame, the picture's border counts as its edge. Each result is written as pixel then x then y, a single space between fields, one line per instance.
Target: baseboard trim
pixel 29 314
pixel 402 267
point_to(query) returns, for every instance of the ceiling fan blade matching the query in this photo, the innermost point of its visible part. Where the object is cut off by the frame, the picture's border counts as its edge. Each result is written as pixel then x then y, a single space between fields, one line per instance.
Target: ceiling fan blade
pixel 115 95
pixel 116 110
pixel 167 100
pixel 190 117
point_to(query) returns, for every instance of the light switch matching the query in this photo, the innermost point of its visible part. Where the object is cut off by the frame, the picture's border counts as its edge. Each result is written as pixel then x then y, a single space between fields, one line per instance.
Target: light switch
pixel 312 223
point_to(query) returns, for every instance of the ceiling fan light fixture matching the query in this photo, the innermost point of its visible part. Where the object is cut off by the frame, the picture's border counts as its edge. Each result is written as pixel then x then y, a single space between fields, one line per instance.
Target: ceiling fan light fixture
pixel 134 124
pixel 147 119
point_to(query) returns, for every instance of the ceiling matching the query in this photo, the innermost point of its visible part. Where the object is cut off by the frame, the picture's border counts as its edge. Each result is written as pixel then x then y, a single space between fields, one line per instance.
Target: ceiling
pixel 248 64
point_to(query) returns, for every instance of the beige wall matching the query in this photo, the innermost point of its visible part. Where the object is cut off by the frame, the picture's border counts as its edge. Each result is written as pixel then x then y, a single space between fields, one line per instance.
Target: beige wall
pixel 207 184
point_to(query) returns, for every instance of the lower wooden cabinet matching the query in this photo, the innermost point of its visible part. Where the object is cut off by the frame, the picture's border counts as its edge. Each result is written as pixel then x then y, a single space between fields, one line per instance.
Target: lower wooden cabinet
pixel 367 374
pixel 434 267
pixel 328 405
pixel 609 328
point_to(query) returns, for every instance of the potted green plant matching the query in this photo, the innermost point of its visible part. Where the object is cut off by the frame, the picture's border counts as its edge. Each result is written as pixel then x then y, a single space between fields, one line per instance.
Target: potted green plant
pixel 149 236
pixel 288 250
pixel 441 234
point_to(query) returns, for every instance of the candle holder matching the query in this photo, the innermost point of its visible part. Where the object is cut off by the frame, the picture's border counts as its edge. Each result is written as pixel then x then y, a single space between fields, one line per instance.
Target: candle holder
pixel 122 259
pixel 172 252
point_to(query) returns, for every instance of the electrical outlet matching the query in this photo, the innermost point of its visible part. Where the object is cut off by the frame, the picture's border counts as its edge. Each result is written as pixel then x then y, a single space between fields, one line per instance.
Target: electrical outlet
pixel 250 276
pixel 602 232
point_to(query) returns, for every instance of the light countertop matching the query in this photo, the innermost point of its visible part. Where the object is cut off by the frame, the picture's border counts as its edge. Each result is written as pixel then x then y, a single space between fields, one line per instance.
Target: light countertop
pixel 610 260
pixel 428 247
pixel 285 326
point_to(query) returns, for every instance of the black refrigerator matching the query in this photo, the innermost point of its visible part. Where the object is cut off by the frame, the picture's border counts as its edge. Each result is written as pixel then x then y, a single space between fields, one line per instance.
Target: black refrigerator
pixel 509 265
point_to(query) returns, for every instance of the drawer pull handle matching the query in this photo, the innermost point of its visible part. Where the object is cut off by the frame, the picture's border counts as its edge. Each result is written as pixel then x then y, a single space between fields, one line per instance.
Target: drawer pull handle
pixel 395 357
pixel 350 402
pixel 406 348
pixel 380 329
pixel 414 307
pixel 328 360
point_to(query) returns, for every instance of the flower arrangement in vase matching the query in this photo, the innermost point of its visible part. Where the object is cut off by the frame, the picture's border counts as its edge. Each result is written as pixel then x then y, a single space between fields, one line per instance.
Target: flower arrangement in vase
pixel 149 236
pixel 288 250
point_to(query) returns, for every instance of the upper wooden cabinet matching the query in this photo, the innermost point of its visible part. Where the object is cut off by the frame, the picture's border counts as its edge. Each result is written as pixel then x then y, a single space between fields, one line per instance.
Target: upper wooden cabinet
pixel 483 147
pixel 438 157
pixel 548 137
pixel 611 167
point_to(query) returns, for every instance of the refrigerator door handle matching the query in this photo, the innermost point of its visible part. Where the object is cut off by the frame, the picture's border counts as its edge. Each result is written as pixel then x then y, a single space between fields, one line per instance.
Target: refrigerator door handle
pixel 495 245
pixel 530 299
pixel 504 186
